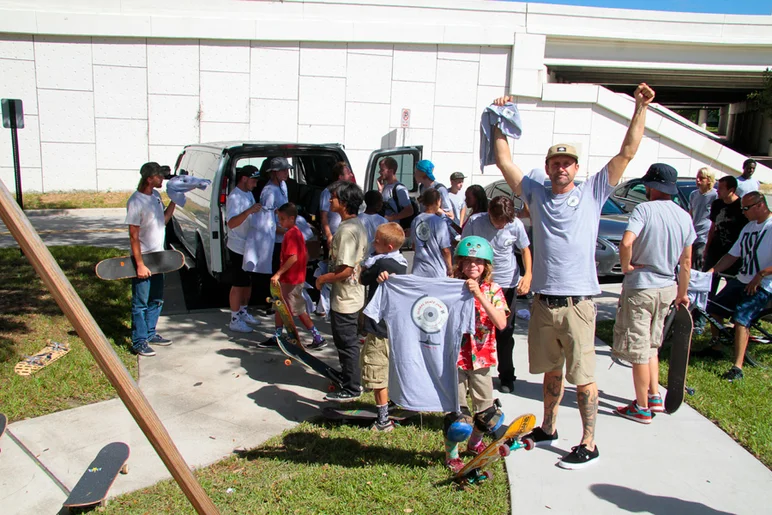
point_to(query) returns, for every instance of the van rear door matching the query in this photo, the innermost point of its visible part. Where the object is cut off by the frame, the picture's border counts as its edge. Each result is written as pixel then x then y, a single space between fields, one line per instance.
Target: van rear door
pixel 406 158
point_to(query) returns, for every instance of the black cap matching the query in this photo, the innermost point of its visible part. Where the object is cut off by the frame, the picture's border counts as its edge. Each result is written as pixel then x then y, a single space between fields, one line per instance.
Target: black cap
pixel 662 177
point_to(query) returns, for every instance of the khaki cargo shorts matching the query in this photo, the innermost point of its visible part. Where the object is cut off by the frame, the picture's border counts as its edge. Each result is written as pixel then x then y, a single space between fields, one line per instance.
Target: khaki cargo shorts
pixel 563 336
pixel 640 321
pixel 374 361
pixel 293 296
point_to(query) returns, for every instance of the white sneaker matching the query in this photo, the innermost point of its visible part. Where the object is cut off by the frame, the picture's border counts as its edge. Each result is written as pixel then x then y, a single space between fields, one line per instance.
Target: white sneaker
pixel 239 326
pixel 246 317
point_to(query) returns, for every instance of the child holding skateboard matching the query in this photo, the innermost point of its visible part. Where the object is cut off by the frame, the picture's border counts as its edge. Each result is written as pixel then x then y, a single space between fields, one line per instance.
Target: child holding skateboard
pixel 374 359
pixel 474 263
pixel 291 275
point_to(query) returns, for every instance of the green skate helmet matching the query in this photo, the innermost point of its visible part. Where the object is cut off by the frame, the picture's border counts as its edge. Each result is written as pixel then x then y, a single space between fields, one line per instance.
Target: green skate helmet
pixel 476 247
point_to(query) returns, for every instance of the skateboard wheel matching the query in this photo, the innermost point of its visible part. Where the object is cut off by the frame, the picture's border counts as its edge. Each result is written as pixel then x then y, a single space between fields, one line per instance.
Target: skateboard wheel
pixel 528 443
pixel 287 362
pixel 330 387
pixel 504 451
pixel 124 469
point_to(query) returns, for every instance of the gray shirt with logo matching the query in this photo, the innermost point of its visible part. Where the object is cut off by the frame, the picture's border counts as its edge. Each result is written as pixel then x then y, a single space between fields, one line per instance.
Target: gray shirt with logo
pixel 504 242
pixel 663 230
pixel 565 229
pixel 430 236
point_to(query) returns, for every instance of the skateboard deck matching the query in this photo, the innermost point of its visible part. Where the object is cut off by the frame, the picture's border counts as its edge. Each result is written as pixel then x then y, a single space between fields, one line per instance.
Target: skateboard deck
pixel 475 471
pixel 93 485
pixel 680 340
pixel 365 415
pixel 281 307
pixel 302 356
pixel 3 424
pixel 124 267
pixel 47 355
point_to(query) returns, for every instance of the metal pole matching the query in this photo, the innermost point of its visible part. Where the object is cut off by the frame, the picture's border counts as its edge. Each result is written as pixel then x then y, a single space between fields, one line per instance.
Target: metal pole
pixel 15 145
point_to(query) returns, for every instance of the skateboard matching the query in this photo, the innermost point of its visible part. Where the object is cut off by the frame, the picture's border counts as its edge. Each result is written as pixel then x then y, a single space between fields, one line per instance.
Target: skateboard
pixel 475 471
pixel 47 355
pixel 302 356
pixel 365 415
pixel 93 485
pixel 680 339
pixel 277 299
pixel 3 424
pixel 124 267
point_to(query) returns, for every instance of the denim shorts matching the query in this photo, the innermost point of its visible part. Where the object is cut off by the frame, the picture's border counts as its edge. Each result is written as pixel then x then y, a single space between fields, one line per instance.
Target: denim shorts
pixel 746 307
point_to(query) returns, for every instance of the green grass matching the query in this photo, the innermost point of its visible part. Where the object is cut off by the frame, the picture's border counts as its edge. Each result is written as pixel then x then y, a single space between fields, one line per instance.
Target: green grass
pixel 742 409
pixel 80 199
pixel 325 468
pixel 29 317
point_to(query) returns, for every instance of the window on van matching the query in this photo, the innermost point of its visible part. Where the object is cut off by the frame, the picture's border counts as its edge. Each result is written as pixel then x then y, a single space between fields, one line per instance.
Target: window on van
pixel 405 170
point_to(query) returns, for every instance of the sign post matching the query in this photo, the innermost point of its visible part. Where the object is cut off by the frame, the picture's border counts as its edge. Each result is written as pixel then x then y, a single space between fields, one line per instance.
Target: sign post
pixel 13 118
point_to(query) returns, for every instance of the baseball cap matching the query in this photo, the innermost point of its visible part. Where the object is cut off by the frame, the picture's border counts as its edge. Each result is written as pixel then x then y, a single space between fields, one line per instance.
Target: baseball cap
pixel 153 168
pixel 661 177
pixel 427 167
pixel 457 176
pixel 248 171
pixel 561 149
pixel 278 163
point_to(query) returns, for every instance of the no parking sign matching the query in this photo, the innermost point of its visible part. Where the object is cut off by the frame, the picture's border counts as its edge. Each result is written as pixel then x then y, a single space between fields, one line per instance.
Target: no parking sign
pixel 405 118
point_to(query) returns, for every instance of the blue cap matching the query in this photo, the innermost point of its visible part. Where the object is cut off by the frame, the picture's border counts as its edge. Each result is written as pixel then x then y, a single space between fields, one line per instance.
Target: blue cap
pixel 427 167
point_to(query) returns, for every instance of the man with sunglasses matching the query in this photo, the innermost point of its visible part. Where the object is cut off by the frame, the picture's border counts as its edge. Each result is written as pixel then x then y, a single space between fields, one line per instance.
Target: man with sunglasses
pixel 751 290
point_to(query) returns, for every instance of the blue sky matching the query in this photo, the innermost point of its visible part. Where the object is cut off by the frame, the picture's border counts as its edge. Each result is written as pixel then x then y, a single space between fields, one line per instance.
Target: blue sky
pixel 695 6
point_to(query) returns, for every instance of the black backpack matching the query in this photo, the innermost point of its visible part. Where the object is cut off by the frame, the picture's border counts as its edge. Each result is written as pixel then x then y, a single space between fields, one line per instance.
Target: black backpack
pixel 407 221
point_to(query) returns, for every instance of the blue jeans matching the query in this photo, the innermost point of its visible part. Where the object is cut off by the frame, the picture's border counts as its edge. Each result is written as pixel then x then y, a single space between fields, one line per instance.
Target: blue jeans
pixel 147 299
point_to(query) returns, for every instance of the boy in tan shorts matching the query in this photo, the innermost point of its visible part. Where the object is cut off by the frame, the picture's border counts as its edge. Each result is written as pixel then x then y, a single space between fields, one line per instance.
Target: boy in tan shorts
pixel 374 358
pixel 291 275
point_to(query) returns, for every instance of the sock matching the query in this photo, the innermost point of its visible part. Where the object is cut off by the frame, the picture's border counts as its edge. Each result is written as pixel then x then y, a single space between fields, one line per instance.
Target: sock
pixel 242 309
pixel 315 332
pixel 234 316
pixel 475 439
pixel 383 414
pixel 451 450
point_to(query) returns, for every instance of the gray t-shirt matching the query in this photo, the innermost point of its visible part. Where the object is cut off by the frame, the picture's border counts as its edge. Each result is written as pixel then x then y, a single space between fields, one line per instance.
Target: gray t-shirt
pixel 388 193
pixel 746 186
pixel 458 200
pixel 565 230
pixel 663 230
pixel 426 318
pixel 504 242
pixel 333 218
pixel 430 236
pixel 699 207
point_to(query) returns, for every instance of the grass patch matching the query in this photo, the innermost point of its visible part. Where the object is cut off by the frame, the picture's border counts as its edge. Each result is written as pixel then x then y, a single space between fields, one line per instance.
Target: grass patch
pixel 80 199
pixel 318 467
pixel 29 317
pixel 742 409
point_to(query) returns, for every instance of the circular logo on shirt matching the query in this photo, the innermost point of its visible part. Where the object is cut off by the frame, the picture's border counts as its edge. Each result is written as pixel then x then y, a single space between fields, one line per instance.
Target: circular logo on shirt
pixel 423 231
pixel 430 314
pixel 509 242
pixel 573 201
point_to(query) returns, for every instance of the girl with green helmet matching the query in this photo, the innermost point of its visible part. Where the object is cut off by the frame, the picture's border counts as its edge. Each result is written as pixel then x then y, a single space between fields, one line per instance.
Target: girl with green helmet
pixel 474 263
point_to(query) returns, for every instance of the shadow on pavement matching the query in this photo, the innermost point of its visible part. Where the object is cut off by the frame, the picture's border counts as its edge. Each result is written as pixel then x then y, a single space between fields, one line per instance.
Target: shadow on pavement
pixel 635 501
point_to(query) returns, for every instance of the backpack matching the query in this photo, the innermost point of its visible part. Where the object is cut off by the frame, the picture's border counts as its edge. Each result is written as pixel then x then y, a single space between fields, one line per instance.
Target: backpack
pixel 407 221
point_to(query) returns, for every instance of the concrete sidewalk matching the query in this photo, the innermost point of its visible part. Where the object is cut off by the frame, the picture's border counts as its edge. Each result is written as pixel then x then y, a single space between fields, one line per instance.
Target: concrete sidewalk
pixel 216 393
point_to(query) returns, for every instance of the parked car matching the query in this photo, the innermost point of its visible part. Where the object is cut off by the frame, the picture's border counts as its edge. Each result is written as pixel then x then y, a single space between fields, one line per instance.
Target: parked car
pixel 613 221
pixel 629 194
pixel 199 230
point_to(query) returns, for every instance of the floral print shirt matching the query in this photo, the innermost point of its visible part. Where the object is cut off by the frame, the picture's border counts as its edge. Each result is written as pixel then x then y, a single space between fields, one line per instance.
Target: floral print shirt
pixel 479 350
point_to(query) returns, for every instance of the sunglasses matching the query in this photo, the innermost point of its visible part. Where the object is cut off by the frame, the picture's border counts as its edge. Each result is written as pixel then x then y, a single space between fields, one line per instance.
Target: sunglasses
pixel 746 208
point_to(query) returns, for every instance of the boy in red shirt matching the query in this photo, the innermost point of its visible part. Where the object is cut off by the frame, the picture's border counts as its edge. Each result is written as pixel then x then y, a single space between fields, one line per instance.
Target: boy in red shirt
pixel 291 275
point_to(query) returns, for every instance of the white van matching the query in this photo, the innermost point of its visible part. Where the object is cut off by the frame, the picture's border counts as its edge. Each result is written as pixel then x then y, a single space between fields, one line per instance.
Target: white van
pixel 199 229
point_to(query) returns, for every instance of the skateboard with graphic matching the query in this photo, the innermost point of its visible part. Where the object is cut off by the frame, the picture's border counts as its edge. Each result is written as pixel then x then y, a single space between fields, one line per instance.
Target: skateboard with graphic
pixel 281 307
pixel 93 485
pixel 476 470
pixel 679 338
pixel 365 415
pixel 124 267
pixel 47 355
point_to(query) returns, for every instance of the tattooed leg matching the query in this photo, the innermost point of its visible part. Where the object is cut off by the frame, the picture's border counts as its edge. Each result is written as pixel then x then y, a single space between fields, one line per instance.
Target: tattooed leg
pixel 553 394
pixel 587 399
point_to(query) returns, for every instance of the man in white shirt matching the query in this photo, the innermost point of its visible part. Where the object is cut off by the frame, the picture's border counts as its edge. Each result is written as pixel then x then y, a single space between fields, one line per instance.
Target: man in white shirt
pixel 746 183
pixel 457 196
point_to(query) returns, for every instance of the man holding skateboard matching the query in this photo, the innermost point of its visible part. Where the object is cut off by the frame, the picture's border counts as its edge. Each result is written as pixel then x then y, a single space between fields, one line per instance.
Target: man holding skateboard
pixel 659 236
pixel 751 290
pixel 565 219
pixel 147 219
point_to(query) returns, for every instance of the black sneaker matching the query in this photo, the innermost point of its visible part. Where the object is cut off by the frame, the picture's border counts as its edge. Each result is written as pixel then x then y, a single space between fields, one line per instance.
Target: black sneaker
pixel 507 386
pixel 342 396
pixel 270 342
pixel 734 374
pixel 157 339
pixel 317 344
pixel 579 457
pixel 143 349
pixel 540 438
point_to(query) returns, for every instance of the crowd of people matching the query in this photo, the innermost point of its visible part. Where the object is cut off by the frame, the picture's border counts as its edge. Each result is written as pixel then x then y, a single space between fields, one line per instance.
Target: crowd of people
pixel 456 306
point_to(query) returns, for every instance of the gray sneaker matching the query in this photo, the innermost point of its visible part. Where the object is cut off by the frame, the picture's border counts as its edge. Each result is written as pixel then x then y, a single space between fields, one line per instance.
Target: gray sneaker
pixel 317 344
pixel 143 349
pixel 157 339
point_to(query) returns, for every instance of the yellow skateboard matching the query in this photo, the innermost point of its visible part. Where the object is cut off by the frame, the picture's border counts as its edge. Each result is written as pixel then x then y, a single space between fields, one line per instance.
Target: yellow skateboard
pixel 475 471
pixel 50 353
